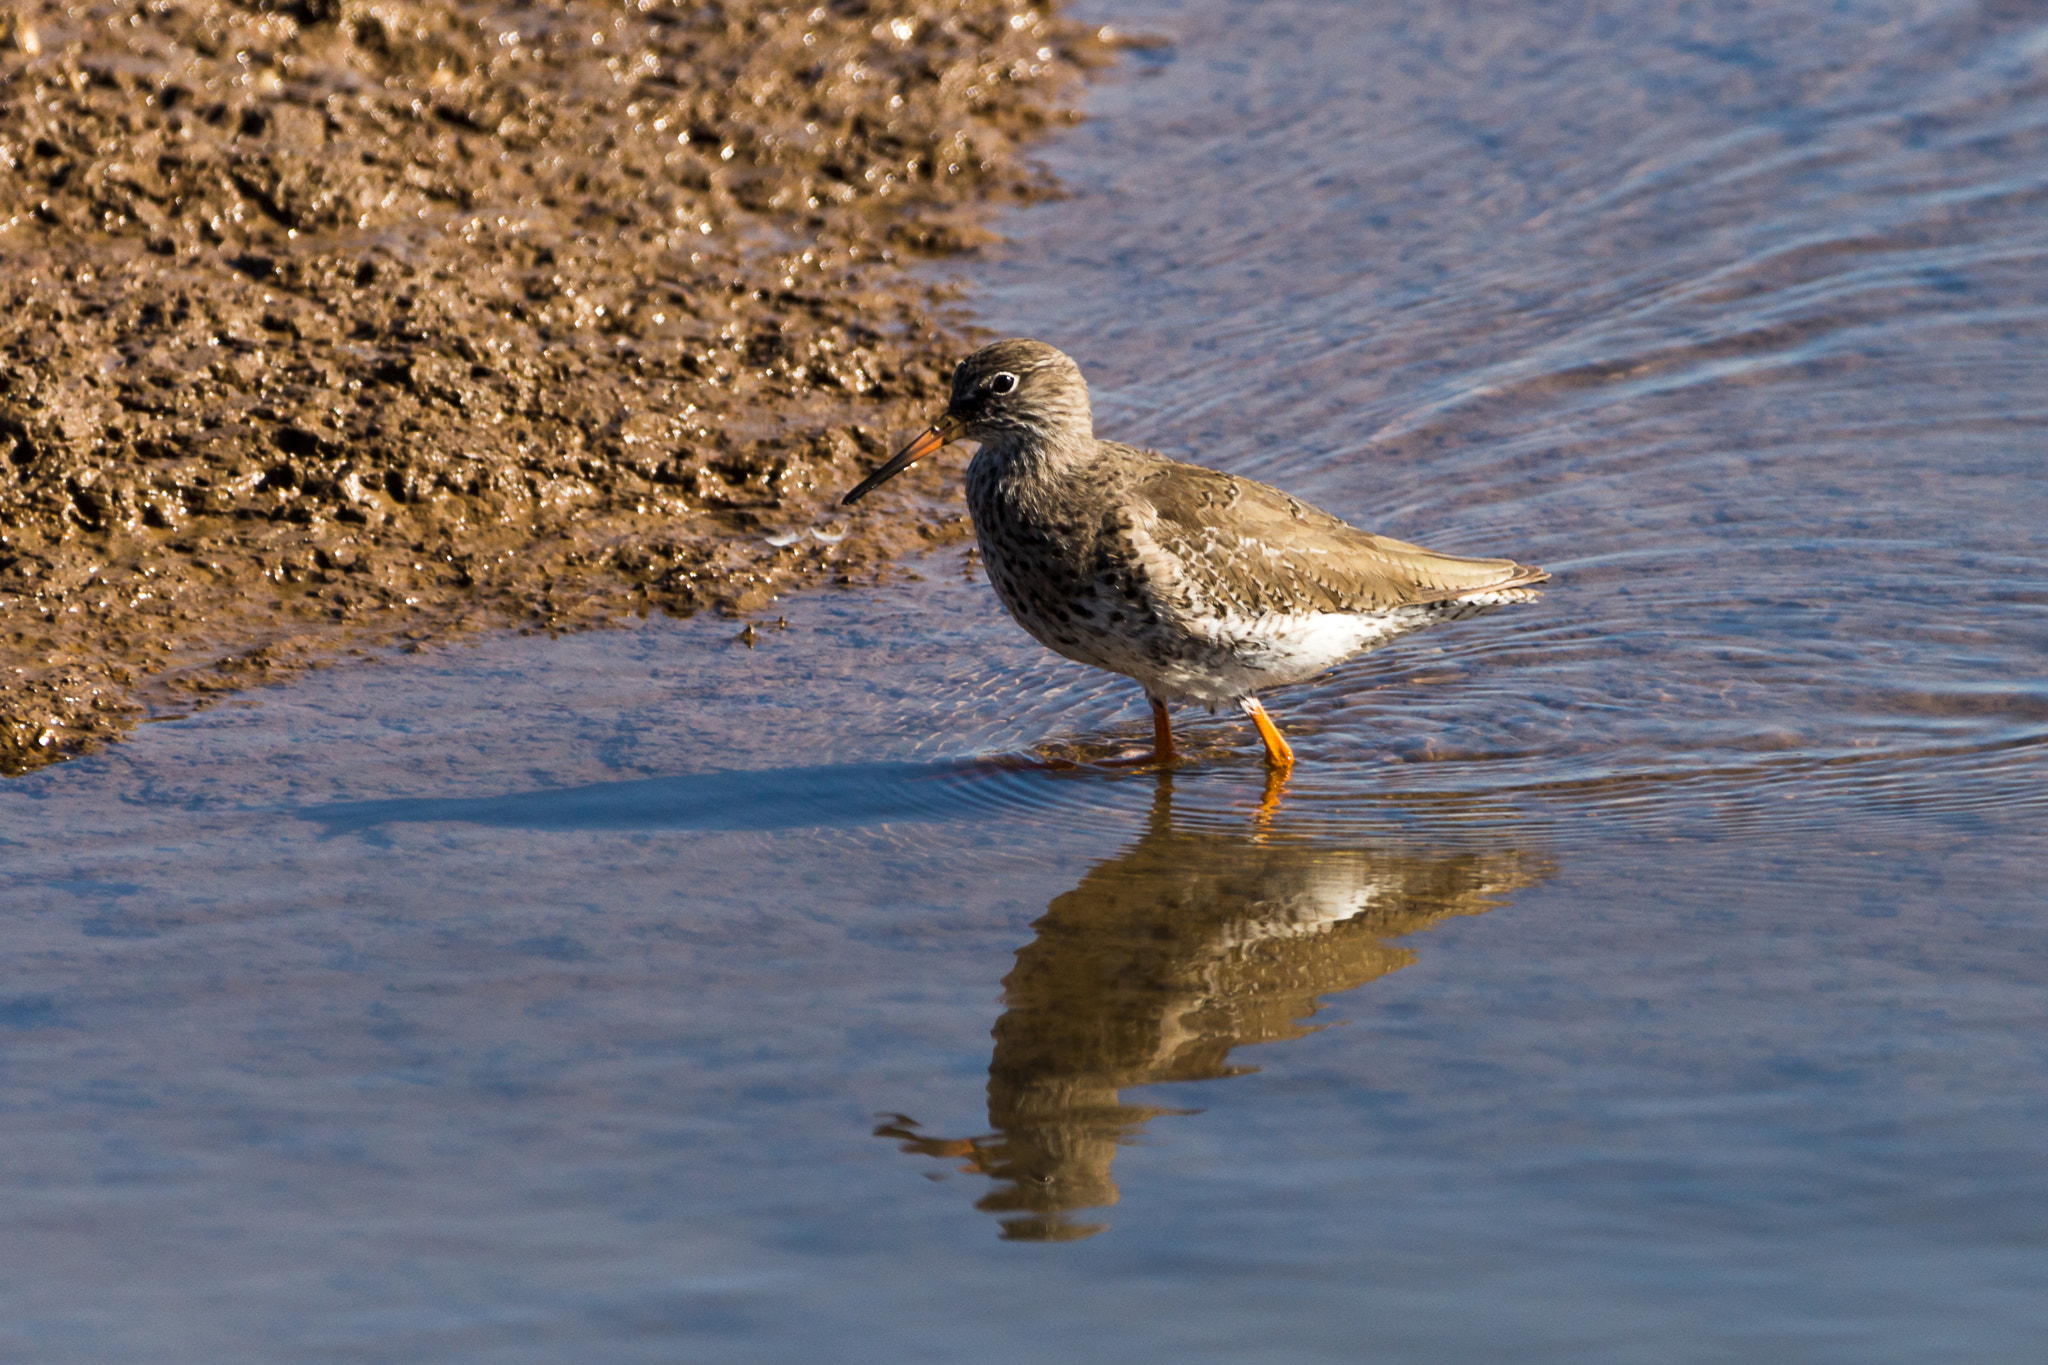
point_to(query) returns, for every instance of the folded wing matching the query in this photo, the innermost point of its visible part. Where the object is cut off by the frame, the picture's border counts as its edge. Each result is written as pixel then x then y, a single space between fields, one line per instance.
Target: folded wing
pixel 1246 545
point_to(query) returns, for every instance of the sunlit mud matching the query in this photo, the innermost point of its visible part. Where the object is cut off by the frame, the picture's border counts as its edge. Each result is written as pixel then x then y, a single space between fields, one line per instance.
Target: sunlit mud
pixel 341 324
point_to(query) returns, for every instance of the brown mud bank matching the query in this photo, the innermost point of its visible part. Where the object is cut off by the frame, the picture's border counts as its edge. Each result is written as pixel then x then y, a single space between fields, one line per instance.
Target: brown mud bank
pixel 349 323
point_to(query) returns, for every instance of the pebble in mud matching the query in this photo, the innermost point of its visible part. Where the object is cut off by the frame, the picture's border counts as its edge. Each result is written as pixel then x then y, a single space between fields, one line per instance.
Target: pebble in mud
pixel 343 324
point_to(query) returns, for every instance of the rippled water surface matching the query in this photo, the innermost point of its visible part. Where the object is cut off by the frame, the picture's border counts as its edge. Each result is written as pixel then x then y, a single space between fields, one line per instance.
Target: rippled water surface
pixel 1655 973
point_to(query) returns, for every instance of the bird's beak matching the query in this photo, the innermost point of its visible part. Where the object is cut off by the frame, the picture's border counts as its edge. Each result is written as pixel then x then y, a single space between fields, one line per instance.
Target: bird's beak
pixel 937 435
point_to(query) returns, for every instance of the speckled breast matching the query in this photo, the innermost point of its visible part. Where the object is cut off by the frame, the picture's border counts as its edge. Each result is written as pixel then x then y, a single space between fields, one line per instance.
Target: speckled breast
pixel 1067 576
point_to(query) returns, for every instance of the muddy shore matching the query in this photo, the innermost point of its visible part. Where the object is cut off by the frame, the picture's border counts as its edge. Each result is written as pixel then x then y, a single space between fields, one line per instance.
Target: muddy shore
pixel 339 326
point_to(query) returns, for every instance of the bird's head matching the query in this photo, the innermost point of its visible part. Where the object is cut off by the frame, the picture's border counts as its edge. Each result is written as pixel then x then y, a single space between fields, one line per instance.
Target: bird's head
pixel 1015 389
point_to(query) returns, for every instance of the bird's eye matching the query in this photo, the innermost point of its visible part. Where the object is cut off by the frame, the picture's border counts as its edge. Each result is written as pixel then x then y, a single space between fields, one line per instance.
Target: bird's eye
pixel 1002 383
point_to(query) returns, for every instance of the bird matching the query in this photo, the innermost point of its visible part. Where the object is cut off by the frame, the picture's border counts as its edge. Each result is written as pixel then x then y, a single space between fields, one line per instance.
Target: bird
pixel 1204 587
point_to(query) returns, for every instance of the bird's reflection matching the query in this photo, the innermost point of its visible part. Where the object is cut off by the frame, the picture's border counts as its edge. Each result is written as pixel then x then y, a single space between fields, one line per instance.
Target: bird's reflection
pixel 1164 959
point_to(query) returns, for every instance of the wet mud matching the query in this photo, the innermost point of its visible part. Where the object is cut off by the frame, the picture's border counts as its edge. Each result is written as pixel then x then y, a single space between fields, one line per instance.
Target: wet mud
pixel 334 326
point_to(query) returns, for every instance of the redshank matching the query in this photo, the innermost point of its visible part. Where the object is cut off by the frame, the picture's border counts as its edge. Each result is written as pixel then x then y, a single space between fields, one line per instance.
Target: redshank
pixel 1202 586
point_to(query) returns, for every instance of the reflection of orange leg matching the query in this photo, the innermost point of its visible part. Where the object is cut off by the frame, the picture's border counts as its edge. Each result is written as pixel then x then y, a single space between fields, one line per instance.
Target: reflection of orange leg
pixel 1276 783
pixel 1162 732
pixel 1278 755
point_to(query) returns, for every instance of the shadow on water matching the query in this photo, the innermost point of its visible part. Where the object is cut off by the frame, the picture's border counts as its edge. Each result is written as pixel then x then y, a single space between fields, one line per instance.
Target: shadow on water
pixel 846 795
pixel 1166 958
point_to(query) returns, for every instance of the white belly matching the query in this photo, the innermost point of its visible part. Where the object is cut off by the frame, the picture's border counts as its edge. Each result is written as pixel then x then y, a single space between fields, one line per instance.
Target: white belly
pixel 1244 655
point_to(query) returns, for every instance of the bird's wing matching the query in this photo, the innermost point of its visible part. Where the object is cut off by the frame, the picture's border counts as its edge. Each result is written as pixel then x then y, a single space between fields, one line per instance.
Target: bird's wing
pixel 1246 544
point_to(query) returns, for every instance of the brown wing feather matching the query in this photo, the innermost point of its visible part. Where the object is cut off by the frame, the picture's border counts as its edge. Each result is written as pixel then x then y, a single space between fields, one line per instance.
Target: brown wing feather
pixel 1245 542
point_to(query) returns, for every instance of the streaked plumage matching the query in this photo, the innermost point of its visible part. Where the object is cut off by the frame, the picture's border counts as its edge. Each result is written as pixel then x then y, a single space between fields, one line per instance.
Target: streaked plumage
pixel 1202 586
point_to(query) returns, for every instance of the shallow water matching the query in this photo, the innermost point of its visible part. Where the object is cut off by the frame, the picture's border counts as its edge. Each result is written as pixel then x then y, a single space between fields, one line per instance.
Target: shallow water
pixel 1655 973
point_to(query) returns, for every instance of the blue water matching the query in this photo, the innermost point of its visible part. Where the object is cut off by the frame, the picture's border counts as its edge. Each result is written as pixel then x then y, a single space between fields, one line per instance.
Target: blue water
pixel 1657 973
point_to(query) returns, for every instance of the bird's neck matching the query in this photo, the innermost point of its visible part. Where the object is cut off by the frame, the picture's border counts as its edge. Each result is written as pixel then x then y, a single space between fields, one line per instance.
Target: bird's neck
pixel 1048 455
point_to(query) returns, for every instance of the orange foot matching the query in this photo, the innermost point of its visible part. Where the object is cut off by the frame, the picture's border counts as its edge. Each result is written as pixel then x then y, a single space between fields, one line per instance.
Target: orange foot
pixel 1279 754
pixel 1162 751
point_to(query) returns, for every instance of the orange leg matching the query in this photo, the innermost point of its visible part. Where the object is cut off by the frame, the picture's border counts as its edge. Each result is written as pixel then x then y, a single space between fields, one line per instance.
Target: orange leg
pixel 1162 732
pixel 1278 754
